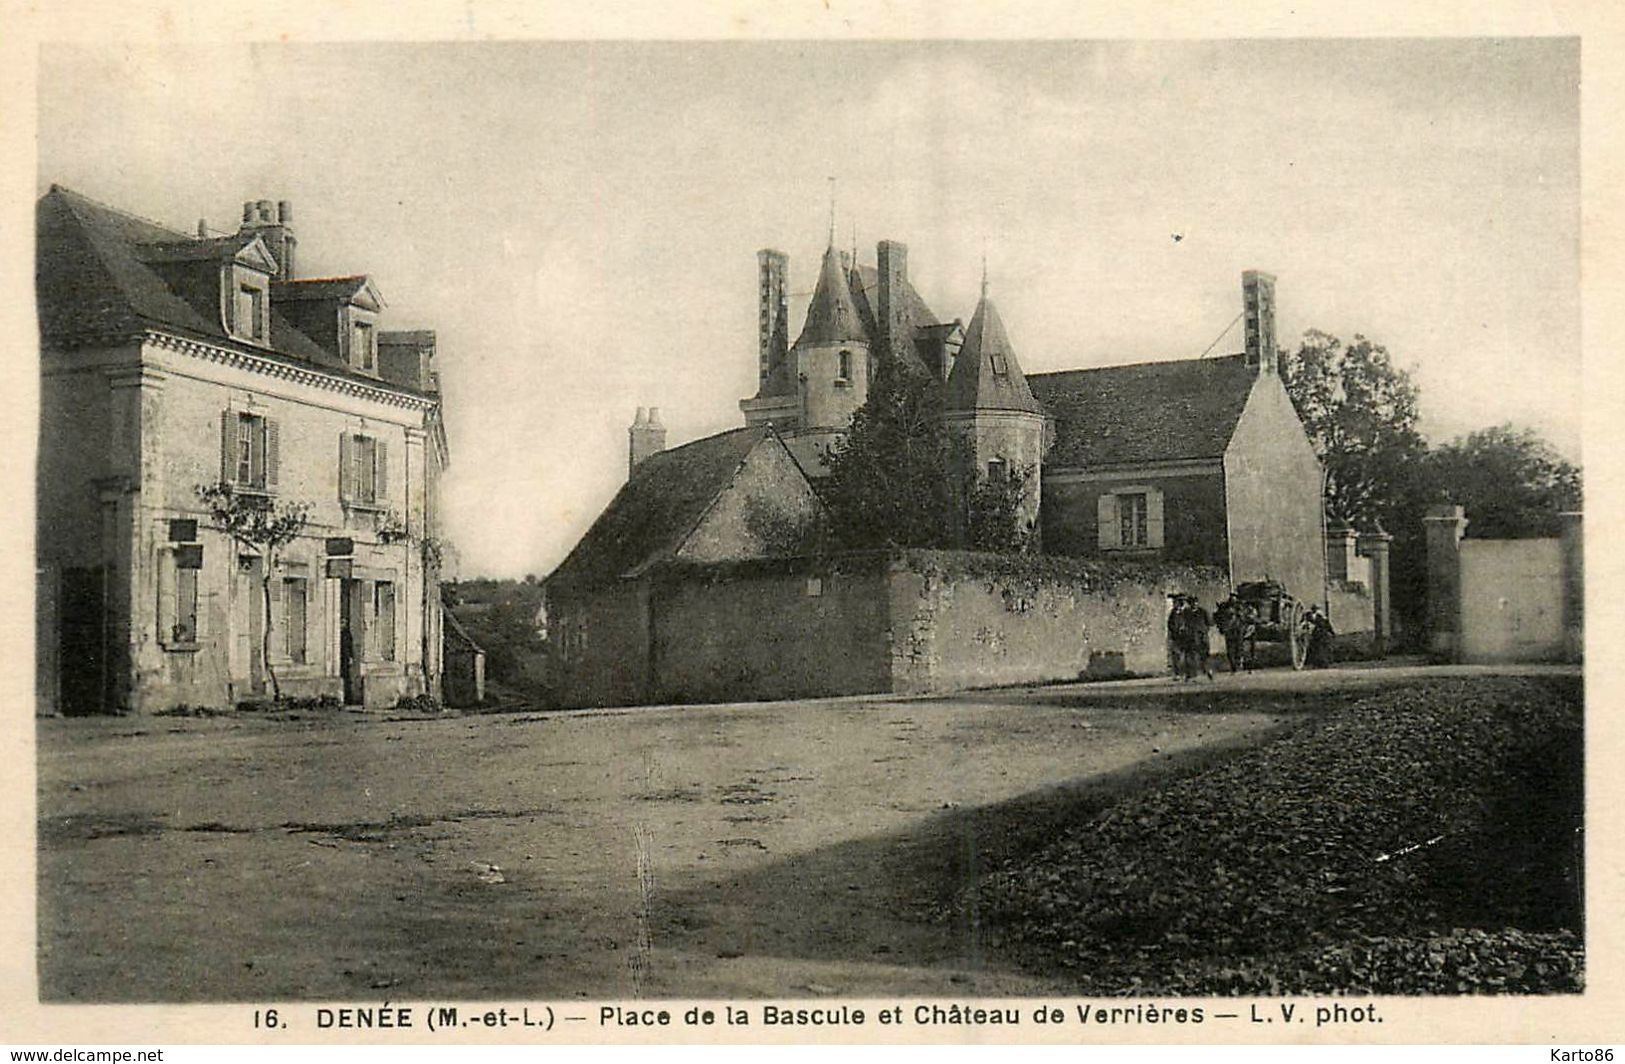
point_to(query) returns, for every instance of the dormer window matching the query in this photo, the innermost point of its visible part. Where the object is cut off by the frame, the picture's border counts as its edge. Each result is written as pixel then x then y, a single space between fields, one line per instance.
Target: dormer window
pixel 1001 367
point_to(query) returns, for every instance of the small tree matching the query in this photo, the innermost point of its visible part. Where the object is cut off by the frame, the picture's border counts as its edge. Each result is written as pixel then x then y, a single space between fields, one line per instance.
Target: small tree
pixel 254 523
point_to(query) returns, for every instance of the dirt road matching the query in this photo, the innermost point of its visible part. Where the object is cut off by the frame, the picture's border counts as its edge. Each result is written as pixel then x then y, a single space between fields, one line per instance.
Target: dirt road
pixel 792 849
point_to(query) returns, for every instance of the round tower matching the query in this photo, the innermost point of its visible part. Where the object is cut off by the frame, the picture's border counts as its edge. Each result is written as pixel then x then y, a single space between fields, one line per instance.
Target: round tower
pixel 990 409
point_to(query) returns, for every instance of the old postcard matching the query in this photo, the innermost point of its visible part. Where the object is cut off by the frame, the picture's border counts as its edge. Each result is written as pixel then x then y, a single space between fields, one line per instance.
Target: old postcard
pixel 993 525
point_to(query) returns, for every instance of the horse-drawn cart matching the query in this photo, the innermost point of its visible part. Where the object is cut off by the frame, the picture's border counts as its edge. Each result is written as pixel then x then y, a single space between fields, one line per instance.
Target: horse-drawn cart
pixel 1263 610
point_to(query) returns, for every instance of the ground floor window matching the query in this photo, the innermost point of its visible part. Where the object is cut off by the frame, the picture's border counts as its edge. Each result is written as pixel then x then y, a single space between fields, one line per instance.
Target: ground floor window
pixel 184 628
pixel 295 611
pixel 383 611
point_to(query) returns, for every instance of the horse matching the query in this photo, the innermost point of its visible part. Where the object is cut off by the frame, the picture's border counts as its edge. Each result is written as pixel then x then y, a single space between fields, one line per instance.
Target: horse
pixel 1238 623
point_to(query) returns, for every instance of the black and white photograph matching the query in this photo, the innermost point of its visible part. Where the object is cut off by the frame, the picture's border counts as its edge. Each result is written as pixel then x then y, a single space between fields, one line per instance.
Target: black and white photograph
pixel 884 536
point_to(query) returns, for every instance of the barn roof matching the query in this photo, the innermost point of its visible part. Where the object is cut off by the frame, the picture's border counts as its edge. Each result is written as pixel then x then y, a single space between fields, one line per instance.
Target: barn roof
pixel 659 505
pixel 1146 412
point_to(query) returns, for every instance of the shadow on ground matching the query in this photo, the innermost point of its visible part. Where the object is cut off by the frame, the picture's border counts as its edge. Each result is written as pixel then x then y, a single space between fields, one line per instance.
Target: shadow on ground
pixel 884 899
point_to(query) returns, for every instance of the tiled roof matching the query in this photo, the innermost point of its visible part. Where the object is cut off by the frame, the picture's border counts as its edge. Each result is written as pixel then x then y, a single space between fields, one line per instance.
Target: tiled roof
pixel 98 273
pixel 1147 412
pixel 986 375
pixel 657 507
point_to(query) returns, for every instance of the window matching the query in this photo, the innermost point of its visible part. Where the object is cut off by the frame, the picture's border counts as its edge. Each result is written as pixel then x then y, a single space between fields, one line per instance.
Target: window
pixel 843 370
pixel 383 611
pixel 1131 514
pixel 997 470
pixel 1130 518
pixel 184 630
pixel 250 312
pixel 366 349
pixel 177 596
pixel 249 450
pixel 1001 367
pixel 363 470
pixel 294 613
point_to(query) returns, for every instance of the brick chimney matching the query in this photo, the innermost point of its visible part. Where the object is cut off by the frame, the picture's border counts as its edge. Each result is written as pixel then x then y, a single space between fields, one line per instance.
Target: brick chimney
pixel 273 222
pixel 773 316
pixel 1258 309
pixel 891 309
pixel 647 436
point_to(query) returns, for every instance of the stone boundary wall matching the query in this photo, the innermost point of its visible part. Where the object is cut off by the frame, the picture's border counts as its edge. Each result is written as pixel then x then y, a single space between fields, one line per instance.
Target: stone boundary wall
pixel 907 621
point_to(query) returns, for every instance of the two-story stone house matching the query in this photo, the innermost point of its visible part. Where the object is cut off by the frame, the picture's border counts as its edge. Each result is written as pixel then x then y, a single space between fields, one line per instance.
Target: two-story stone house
pixel 170 363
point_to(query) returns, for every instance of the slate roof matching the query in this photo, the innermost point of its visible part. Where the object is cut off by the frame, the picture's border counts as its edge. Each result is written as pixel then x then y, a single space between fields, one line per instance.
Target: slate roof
pixel 831 316
pixel 1147 412
pixel 94 276
pixel 342 288
pixel 657 507
pixel 986 375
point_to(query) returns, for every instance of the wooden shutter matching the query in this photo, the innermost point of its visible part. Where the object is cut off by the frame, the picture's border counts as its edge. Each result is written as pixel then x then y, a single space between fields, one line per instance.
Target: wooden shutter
pixel 1153 518
pixel 228 447
pixel 273 451
pixel 166 598
pixel 380 471
pixel 346 467
pixel 1106 516
pixel 279 588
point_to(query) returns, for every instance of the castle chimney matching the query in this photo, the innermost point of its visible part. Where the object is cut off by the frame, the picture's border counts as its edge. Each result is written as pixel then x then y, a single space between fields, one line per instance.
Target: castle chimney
pixel 1258 309
pixel 891 309
pixel 647 436
pixel 773 315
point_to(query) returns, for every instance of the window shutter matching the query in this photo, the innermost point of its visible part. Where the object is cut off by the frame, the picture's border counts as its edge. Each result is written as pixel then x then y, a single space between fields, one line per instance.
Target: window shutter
pixel 1106 517
pixel 1153 518
pixel 346 467
pixel 279 641
pixel 228 447
pixel 273 451
pixel 380 470
pixel 166 597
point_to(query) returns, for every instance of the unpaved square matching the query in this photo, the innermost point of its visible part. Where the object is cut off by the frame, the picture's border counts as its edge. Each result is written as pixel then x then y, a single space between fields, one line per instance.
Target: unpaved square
pixel 792 849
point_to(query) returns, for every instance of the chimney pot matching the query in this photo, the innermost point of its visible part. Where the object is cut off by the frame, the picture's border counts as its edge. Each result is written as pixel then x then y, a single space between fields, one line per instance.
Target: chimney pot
pixel 654 417
pixel 248 211
pixel 284 211
pixel 642 417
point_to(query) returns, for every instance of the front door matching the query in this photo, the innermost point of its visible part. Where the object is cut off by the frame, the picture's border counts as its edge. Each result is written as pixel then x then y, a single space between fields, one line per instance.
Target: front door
pixel 350 636
pixel 82 642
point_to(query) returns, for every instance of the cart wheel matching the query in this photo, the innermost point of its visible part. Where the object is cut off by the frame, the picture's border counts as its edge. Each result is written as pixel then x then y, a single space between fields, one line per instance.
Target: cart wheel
pixel 1297 636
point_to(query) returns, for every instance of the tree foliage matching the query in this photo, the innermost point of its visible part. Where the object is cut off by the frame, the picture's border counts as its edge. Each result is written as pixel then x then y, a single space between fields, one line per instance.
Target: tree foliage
pixel 1512 482
pixel 262 527
pixel 1360 411
pixel 889 480
pixel 994 519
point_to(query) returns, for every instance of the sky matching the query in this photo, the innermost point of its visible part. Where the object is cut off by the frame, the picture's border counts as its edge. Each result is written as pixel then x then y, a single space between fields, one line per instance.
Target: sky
pixel 579 221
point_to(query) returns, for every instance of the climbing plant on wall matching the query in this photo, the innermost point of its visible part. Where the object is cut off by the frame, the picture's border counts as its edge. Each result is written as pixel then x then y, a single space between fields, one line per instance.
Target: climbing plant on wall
pixel 262 527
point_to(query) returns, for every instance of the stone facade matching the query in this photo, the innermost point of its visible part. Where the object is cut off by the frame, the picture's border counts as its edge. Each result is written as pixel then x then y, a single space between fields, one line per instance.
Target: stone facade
pixel 145 605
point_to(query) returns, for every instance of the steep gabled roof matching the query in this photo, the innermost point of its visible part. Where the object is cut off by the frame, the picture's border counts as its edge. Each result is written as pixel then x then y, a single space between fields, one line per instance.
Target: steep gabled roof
pixel 986 375
pixel 99 272
pixel 1147 412
pixel 831 316
pixel 657 508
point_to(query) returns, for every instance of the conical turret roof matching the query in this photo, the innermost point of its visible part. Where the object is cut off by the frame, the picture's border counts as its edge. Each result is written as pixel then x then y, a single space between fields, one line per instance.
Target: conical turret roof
pixel 986 375
pixel 832 317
